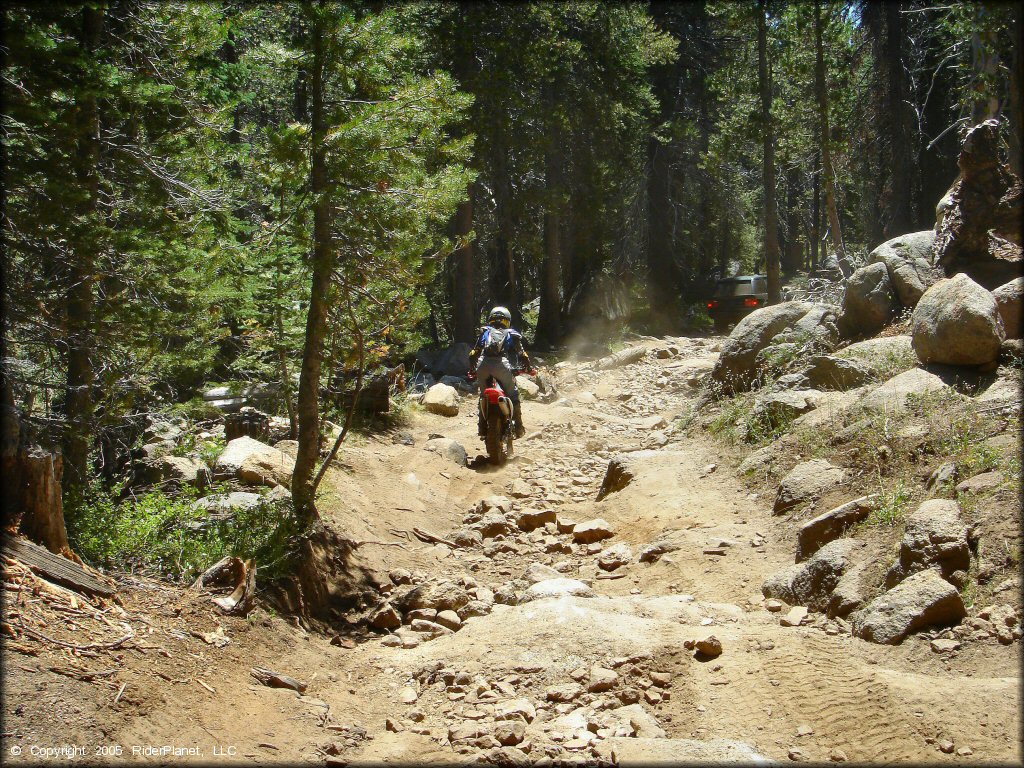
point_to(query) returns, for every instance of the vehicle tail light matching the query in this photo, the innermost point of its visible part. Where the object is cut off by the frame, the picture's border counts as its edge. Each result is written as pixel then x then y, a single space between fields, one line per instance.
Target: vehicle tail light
pixel 712 304
pixel 750 302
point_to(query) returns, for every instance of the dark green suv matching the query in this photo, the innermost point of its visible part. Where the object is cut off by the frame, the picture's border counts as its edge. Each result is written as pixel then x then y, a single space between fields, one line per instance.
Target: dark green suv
pixel 735 298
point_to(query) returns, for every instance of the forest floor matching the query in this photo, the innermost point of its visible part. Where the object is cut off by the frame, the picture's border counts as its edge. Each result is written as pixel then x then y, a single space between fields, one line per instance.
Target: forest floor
pixel 781 693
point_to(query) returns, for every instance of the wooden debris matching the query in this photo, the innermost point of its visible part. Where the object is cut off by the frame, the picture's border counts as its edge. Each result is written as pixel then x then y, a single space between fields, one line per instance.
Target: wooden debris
pixel 432 539
pixel 207 687
pixel 57 568
pixel 82 674
pixel 620 358
pixel 120 693
pixel 238 576
pixel 88 646
pixel 277 680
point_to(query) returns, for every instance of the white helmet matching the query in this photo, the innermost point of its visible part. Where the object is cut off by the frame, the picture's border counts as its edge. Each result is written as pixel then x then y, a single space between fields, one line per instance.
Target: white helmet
pixel 500 317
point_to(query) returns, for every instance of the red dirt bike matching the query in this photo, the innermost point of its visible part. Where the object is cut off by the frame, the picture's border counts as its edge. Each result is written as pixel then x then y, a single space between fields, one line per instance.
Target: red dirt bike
pixel 496 410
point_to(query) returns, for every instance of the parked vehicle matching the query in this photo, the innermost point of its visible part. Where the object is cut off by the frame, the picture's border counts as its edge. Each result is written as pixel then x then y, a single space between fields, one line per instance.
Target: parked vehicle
pixel 735 298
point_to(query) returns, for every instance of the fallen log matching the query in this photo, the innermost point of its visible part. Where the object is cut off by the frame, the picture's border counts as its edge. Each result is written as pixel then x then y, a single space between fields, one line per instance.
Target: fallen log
pixel 430 538
pixel 56 568
pixel 276 680
pixel 625 356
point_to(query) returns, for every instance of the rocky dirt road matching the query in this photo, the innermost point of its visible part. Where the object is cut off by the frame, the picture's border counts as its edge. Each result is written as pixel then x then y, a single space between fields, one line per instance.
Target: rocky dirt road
pixel 596 660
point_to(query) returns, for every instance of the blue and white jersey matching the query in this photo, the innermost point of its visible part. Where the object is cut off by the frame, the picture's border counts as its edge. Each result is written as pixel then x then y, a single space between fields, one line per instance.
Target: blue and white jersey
pixel 510 348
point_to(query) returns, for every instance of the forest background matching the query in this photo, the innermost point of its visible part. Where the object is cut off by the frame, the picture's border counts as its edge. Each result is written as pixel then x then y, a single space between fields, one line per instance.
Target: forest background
pixel 231 193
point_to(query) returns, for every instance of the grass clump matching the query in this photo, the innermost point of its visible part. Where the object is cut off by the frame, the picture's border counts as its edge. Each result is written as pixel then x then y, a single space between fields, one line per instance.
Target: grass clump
pixel 170 537
pixel 890 505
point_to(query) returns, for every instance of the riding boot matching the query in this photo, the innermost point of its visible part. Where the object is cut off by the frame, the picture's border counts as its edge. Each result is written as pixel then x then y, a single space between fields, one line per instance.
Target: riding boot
pixel 481 425
pixel 517 415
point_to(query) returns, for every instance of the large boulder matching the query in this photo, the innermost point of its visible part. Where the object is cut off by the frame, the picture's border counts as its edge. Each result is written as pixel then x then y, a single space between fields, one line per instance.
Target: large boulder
pixel 868 303
pixel 980 232
pixel 811 582
pixel 836 373
pixel 736 369
pixel 816 533
pixel 806 481
pixel 922 600
pixel 957 322
pixel 774 411
pixel 560 587
pixel 172 470
pixel 441 399
pixel 452 361
pixel 1009 300
pixel 908 258
pixel 254 463
pixel 884 356
pixel 441 595
pixel 528 389
pixel 935 536
pixel 894 395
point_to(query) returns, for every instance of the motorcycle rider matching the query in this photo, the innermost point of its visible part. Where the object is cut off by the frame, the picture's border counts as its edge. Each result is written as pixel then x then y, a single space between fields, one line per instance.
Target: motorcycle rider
pixel 498 351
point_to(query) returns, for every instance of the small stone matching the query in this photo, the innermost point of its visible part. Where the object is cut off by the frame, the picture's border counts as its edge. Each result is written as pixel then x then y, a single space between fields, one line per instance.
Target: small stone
pixel 837 756
pixel 601 679
pixel 385 617
pixel 942 645
pixel 591 531
pixel 773 605
pixel 393 726
pixel 427 614
pixel 629 695
pixel 510 733
pixel 795 617
pixel 515 709
pixel 652 696
pixel 710 646
pixel 449 619
pixel 797 755
pixel 563 693
pixel 408 696
pixel 661 679
pixel 946 746
pixel 804 730
pixel 965 751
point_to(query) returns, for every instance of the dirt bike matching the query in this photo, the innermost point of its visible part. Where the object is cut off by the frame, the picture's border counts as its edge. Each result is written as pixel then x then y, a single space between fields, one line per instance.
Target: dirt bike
pixel 496 410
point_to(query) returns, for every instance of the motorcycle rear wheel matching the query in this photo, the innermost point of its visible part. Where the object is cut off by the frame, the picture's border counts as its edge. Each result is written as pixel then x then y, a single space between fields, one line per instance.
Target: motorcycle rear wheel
pixel 495 440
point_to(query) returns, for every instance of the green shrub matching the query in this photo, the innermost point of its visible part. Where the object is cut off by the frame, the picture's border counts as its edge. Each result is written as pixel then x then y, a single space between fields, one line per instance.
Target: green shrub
pixel 160 535
pixel 890 505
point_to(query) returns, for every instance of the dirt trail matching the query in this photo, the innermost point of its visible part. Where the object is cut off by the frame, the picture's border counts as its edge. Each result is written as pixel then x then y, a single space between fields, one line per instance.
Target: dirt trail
pixel 775 692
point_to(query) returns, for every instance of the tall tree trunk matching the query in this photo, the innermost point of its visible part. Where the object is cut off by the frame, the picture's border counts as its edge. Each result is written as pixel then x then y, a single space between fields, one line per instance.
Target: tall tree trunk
pixel 771 213
pixel 985 63
pixel 1013 105
pixel 463 303
pixel 504 282
pixel 816 213
pixel 792 254
pixel 78 403
pixel 835 233
pixel 549 326
pixel 308 407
